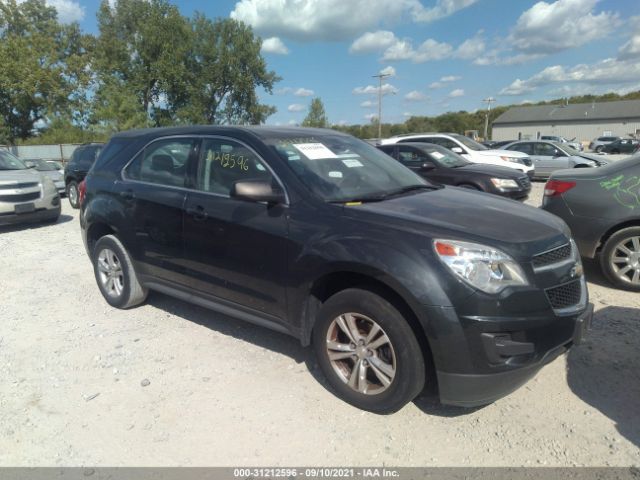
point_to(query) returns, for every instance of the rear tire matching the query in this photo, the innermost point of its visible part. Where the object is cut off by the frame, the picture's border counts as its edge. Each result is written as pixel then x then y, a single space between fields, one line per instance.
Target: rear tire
pixel 359 332
pixel 115 274
pixel 599 149
pixel 620 259
pixel 73 194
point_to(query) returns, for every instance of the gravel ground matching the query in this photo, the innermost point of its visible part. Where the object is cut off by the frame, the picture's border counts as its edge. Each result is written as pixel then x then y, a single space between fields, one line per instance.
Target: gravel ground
pixel 169 383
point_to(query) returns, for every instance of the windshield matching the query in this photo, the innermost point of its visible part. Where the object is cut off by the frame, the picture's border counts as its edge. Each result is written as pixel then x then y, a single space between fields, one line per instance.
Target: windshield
pixel 566 148
pixel 445 158
pixel 9 161
pixel 340 168
pixel 470 144
pixel 56 165
pixel 43 166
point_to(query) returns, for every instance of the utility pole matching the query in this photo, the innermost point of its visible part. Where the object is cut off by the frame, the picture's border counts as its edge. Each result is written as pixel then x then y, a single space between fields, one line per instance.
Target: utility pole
pixel 380 76
pixel 488 101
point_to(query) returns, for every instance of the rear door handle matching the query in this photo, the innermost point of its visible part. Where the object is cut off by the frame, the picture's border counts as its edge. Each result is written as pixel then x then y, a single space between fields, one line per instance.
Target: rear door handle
pixel 198 213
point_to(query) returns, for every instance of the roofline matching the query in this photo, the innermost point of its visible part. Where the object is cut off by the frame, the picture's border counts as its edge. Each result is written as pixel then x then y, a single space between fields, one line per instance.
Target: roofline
pixel 554 121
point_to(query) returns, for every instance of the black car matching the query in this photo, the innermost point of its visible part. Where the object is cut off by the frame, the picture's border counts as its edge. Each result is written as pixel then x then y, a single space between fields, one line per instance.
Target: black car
pixel 395 281
pixel 74 172
pixel 602 208
pixel 441 165
pixel 622 145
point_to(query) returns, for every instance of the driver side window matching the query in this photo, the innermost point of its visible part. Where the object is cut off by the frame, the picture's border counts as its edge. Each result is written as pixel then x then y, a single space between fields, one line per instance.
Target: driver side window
pixel 410 157
pixel 546 150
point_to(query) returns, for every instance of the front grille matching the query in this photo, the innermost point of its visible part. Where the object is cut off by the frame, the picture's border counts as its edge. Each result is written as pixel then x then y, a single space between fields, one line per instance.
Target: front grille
pixel 556 255
pixel 524 182
pixel 16 186
pixel 566 295
pixel 22 197
pixel 526 161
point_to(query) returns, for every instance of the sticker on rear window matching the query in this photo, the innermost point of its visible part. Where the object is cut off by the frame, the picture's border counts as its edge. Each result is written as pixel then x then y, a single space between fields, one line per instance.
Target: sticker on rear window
pixel 314 151
pixel 352 162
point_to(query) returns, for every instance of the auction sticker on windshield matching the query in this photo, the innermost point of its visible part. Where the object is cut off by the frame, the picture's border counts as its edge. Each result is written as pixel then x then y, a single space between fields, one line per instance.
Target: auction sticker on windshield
pixel 314 151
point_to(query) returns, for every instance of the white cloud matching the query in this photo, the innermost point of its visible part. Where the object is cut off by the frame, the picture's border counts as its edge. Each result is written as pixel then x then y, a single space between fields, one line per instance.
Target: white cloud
pixel 296 107
pixel 443 81
pixel 429 50
pixel 387 88
pixel 369 104
pixel 283 91
pixel 435 85
pixel 471 48
pixel 450 78
pixel 610 71
pixel 415 96
pixel 293 123
pixel 552 27
pixel 373 42
pixel 312 20
pixel 303 92
pixel 371 116
pixel 274 45
pixel 68 10
pixel 388 71
pixel 458 92
pixel 631 49
pixel 407 114
pixel 442 8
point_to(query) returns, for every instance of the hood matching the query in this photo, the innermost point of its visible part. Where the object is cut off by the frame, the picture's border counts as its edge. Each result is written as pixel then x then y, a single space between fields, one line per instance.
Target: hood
pixel 502 153
pixel 596 158
pixel 492 170
pixel 19 176
pixel 520 230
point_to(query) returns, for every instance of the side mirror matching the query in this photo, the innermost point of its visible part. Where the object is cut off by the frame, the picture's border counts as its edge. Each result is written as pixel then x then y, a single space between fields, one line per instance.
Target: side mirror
pixel 29 164
pixel 456 150
pixel 257 191
pixel 426 167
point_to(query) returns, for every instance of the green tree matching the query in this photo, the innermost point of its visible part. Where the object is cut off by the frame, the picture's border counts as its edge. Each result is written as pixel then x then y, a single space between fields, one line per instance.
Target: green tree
pixel 43 70
pixel 140 57
pixel 225 68
pixel 316 116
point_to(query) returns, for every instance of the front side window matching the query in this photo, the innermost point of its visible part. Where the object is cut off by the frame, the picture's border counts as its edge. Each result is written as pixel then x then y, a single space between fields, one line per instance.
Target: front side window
pixel 8 161
pixel 411 157
pixel 339 168
pixel 546 150
pixel 521 147
pixel 224 162
pixel 163 162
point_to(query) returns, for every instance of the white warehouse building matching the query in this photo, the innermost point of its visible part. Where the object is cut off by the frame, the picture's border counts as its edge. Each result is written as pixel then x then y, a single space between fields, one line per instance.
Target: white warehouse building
pixel 582 121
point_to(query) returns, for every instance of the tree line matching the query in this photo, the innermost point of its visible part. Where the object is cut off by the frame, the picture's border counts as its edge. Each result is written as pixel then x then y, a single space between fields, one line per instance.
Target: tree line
pixel 147 66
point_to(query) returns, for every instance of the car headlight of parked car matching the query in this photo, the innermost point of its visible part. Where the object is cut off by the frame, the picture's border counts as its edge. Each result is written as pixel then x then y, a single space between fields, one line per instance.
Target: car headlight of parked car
pixel 48 185
pixel 485 268
pixel 504 183
pixel 513 160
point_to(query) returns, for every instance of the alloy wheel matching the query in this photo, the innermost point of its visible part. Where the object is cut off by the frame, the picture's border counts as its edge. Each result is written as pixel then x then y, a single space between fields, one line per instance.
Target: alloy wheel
pixel 361 353
pixel 110 273
pixel 625 260
pixel 73 195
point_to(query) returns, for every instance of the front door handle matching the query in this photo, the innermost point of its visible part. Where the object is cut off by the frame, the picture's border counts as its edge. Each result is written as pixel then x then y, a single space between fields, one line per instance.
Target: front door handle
pixel 198 213
pixel 128 195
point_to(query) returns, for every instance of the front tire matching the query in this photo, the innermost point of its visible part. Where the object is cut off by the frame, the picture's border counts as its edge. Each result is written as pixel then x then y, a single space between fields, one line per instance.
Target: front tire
pixel 73 195
pixel 620 259
pixel 115 275
pixel 599 149
pixel 368 352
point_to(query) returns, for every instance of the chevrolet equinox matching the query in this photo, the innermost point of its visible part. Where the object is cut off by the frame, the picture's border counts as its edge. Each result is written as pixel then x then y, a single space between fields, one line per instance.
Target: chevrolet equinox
pixel 394 281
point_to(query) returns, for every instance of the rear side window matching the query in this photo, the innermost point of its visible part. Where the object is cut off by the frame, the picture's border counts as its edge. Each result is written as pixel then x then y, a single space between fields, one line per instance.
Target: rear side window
pixel 163 162
pixel 411 157
pixel 224 162
pixel 83 157
pixel 522 147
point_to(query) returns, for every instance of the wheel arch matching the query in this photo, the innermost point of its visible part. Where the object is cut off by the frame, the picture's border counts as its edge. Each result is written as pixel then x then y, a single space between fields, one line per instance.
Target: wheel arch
pixel 635 222
pixel 333 282
pixel 96 231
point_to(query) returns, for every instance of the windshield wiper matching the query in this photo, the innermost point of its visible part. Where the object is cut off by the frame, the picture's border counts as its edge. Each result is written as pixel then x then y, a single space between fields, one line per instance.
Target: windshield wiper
pixel 385 195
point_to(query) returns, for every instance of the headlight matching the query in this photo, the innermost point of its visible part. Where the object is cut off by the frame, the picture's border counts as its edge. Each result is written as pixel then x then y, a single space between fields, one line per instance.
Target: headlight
pixel 504 183
pixel 48 184
pixel 512 159
pixel 483 267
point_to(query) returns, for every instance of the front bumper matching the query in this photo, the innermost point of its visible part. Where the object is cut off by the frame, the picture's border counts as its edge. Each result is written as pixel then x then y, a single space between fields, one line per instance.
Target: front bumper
pixel 473 389
pixel 38 215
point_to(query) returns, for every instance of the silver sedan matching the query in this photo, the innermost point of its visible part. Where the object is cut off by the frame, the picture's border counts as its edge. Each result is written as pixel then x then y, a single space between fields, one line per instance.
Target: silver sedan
pixel 547 157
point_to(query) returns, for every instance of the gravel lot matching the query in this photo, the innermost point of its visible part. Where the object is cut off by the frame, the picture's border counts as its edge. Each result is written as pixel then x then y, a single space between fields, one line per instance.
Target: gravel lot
pixel 173 384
